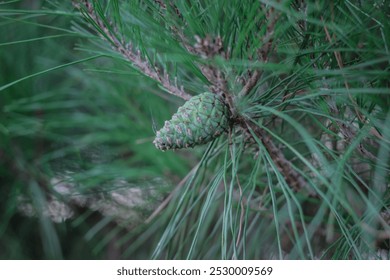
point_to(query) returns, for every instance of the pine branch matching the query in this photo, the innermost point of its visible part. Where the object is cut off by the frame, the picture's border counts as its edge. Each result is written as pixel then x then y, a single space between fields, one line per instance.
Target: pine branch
pixel 206 48
pixel 128 51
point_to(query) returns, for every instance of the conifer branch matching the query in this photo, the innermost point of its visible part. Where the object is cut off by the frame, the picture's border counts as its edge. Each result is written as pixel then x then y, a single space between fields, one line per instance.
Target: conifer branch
pixel 205 48
pixel 208 48
pixel 128 51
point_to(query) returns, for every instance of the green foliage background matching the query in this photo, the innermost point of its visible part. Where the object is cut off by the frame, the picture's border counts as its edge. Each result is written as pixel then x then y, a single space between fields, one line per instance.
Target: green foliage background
pixel 81 179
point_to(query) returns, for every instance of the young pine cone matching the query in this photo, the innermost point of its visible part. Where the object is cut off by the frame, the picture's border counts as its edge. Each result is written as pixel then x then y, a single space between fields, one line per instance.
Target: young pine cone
pixel 201 119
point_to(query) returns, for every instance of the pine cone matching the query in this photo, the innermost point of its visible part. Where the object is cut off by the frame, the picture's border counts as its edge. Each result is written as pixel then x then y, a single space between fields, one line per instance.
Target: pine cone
pixel 201 119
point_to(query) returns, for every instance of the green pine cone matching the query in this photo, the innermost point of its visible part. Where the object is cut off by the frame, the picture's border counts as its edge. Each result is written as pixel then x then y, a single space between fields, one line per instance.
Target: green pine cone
pixel 201 119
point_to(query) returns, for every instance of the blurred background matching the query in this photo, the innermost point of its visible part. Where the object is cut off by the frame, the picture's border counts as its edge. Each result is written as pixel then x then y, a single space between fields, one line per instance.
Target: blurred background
pixel 79 174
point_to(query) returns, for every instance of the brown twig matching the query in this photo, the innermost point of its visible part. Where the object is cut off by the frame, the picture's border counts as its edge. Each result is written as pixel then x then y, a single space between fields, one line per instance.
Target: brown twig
pixel 128 51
